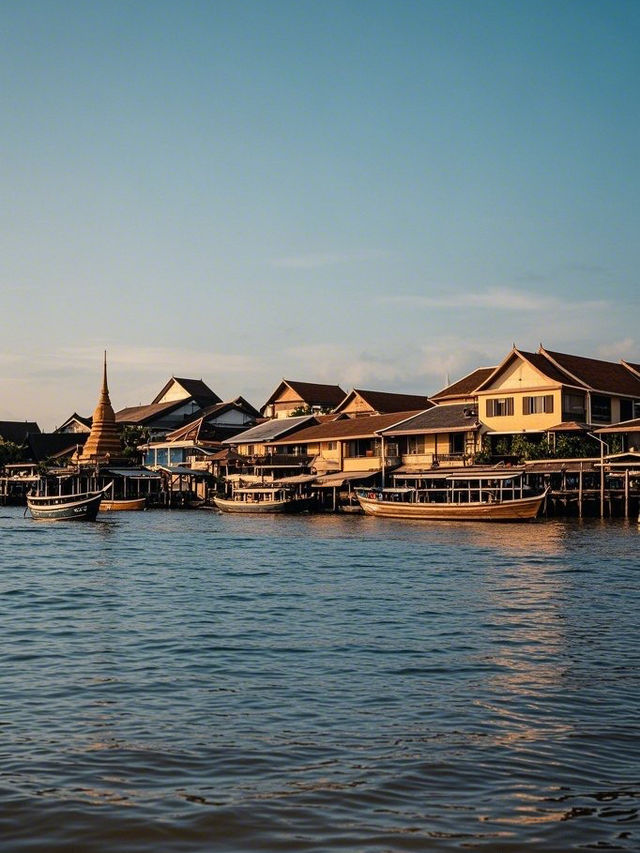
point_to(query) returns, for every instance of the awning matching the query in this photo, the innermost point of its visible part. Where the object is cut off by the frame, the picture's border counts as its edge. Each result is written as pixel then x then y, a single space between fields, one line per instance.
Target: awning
pixel 342 477
pixel 132 473
pixel 292 481
pixel 180 471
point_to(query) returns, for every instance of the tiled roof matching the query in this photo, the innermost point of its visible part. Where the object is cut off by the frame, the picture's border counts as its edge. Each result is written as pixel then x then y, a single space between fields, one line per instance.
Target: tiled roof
pixel 348 428
pixel 633 367
pixel 606 376
pixel 141 414
pixel 44 445
pixel 312 393
pixel 385 402
pixel 467 385
pixel 17 431
pixel 270 430
pixel 443 418
pixel 195 388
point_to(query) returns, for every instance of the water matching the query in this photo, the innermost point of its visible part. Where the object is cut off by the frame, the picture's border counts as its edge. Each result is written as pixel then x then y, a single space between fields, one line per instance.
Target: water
pixel 184 681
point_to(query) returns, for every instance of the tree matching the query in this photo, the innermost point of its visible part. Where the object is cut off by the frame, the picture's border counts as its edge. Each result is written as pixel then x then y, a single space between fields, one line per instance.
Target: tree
pixel 9 452
pixel 131 437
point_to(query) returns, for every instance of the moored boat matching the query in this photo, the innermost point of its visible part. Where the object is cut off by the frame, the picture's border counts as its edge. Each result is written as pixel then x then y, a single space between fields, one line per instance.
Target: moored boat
pixel 263 499
pixel 470 498
pixel 122 504
pixel 81 506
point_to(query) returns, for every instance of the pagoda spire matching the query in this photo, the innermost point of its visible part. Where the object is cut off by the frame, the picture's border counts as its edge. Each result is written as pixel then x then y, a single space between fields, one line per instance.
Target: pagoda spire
pixel 103 443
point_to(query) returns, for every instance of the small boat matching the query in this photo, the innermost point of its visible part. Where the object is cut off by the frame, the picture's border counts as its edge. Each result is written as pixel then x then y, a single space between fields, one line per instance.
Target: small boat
pixel 120 504
pixel 469 498
pixel 262 499
pixel 75 507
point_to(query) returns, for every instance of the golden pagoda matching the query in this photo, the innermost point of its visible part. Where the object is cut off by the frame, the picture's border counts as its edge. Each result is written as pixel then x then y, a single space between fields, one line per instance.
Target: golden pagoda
pixel 103 444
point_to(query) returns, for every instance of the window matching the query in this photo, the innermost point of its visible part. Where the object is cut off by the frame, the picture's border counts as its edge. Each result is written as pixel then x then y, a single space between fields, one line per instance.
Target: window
pixel 573 407
pixel 626 410
pixel 600 409
pixel 415 444
pixel 456 442
pixel 500 407
pixel 332 445
pixel 537 405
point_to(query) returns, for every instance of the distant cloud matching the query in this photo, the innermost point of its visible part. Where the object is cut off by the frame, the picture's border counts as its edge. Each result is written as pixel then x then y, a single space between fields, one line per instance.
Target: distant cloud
pixel 327 259
pixel 629 349
pixel 495 299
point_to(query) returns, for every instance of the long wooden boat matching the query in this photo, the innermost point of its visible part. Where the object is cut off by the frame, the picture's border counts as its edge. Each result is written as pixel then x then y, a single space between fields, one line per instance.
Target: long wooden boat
pixel 479 498
pixel 123 504
pixel 261 500
pixel 81 506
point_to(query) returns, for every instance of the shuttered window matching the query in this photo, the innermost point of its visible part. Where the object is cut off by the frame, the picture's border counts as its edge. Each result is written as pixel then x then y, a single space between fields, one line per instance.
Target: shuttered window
pixel 542 403
pixel 500 407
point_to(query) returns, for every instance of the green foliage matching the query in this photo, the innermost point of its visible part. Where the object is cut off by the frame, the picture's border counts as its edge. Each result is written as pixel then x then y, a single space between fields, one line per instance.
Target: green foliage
pixel 9 452
pixel 131 437
pixel 308 410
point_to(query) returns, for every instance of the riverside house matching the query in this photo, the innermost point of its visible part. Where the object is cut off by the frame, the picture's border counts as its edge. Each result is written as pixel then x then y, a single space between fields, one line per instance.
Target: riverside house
pixel 179 402
pixel 359 403
pixel 548 392
pixel 290 396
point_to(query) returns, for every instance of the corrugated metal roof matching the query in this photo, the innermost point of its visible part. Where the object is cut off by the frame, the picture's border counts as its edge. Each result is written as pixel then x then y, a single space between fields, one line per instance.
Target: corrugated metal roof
pixel 269 430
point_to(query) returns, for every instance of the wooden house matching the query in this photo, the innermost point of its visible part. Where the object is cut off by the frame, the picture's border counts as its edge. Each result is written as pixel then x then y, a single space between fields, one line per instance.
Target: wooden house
pixel 463 390
pixel 359 403
pixel 75 424
pixel 445 435
pixel 179 402
pixel 349 445
pixel 290 396
pixel 536 393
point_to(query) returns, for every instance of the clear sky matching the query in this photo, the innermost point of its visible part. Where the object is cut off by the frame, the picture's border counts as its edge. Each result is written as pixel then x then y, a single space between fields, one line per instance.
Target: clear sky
pixel 374 194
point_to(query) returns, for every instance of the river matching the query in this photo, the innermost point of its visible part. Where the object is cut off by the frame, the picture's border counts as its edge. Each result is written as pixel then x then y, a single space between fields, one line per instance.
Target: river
pixel 186 681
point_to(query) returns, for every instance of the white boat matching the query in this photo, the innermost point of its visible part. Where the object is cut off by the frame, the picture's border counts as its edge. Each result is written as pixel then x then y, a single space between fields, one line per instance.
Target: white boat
pixel 472 497
pixel 261 499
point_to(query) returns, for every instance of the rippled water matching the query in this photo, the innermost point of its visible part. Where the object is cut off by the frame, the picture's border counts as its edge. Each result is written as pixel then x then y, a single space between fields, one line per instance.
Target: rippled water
pixel 181 681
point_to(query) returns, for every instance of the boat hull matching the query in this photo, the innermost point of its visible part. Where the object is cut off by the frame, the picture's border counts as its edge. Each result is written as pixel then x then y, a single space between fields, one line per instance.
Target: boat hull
pixel 66 508
pixel 261 507
pixel 124 505
pixel 523 509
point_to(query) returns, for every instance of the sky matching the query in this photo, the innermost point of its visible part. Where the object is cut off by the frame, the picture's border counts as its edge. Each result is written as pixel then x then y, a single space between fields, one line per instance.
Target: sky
pixel 380 194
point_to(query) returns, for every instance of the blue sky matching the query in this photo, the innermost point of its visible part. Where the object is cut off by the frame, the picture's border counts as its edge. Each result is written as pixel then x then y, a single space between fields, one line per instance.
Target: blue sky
pixel 376 194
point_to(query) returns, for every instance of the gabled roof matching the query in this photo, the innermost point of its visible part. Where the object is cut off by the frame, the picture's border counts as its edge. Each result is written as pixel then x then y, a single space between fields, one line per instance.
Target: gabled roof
pixel 383 402
pixel 596 375
pixel 311 393
pixel 467 385
pixel 348 428
pixel 47 445
pixel 270 430
pixel 199 427
pixel 17 431
pixel 196 388
pixel 458 417
pixel 541 364
pixel 141 415
pixel 86 422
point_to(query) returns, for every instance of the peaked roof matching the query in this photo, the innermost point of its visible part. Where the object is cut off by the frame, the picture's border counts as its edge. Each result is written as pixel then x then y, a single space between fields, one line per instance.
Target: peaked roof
pixel 17 431
pixel 596 375
pixel 457 417
pixel 311 393
pixel 349 428
pixel 270 430
pixel 75 417
pixel 538 362
pixel 384 402
pixel 47 445
pixel 199 427
pixel 467 385
pixel 143 414
pixel 195 388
